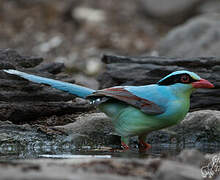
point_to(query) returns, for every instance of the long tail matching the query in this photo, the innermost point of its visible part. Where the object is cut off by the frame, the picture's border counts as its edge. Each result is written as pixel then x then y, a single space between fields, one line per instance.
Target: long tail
pixel 77 90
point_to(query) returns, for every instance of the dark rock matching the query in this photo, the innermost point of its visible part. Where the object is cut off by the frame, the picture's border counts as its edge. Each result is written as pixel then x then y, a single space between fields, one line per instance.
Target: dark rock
pixel 53 68
pixel 10 59
pixel 169 11
pixel 170 170
pixel 23 101
pixel 122 70
pixel 21 112
pixel 197 37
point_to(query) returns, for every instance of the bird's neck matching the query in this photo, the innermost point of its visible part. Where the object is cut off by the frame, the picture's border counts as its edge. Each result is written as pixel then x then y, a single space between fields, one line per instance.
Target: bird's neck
pixel 182 91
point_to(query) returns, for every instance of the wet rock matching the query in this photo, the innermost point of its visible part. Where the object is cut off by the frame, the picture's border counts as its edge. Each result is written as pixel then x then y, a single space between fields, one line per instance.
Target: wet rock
pixel 122 70
pixel 96 131
pixel 81 132
pixel 171 12
pixel 96 126
pixel 31 141
pixel 199 129
pixel 197 37
pixel 170 170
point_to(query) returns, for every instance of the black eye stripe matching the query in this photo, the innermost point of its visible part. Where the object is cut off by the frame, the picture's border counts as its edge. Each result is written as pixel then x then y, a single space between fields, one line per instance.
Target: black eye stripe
pixel 176 79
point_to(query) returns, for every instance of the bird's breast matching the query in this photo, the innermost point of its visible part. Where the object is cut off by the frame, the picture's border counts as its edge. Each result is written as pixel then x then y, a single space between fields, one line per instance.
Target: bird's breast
pixel 176 111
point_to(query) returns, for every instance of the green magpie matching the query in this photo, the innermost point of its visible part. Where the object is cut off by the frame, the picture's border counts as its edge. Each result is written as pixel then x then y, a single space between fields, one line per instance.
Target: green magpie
pixel 136 110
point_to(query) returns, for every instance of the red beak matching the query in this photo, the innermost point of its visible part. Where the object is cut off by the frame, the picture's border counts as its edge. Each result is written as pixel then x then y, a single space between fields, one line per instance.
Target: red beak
pixel 202 83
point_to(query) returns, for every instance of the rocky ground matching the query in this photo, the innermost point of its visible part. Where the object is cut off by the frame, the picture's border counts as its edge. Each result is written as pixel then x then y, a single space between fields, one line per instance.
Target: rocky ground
pixel 189 164
pixel 66 41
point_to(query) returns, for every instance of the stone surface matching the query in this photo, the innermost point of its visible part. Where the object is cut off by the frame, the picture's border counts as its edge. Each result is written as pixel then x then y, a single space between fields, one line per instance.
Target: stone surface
pixel 169 11
pixel 122 70
pixel 92 167
pixel 96 126
pixel 87 131
pixel 173 170
pixel 212 6
pixel 191 156
pixel 83 169
pixel 199 129
pixel 197 37
pixel 10 59
pixel 23 101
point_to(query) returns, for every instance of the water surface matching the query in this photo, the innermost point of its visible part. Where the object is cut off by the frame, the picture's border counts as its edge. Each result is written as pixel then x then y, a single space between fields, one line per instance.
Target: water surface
pixel 14 151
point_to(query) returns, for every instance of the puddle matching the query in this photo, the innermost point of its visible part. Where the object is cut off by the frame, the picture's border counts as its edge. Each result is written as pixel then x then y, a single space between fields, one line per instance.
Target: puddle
pixel 13 151
pixel 68 156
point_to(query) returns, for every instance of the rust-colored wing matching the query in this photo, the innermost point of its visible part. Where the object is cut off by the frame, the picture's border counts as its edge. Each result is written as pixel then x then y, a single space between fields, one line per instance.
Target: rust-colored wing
pixel 122 94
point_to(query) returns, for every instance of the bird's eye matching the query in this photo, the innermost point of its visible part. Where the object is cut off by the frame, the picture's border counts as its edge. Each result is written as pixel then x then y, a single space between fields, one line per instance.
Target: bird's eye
pixel 184 79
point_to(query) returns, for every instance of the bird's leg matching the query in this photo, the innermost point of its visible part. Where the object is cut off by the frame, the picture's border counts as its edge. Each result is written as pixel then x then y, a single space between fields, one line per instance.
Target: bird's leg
pixel 142 145
pixel 124 143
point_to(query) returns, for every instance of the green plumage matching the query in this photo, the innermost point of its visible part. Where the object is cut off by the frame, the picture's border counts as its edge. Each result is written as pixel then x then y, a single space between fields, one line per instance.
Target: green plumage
pixel 130 121
pixel 137 110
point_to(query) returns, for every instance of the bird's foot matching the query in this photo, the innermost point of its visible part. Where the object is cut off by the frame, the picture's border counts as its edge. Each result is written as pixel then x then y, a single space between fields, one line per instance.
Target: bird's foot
pixel 143 146
pixel 124 146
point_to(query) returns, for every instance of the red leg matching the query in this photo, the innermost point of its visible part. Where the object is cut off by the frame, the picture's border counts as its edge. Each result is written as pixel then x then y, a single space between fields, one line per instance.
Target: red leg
pixel 124 146
pixel 142 145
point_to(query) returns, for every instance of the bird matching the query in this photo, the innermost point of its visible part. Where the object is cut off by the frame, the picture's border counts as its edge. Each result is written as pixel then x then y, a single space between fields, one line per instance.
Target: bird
pixel 136 110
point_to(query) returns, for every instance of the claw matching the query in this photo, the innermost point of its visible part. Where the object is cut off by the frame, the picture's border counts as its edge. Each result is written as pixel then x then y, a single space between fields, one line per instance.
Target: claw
pixel 143 146
pixel 124 146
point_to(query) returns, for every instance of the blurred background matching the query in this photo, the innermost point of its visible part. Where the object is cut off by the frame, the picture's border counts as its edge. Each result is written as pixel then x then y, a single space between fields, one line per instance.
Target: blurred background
pixel 78 32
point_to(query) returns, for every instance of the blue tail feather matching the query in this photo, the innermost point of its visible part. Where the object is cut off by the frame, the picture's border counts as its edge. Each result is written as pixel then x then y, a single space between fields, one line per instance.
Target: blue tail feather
pixel 77 90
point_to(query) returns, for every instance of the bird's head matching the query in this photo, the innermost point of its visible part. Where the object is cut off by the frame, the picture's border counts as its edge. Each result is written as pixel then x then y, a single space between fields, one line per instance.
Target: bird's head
pixel 185 81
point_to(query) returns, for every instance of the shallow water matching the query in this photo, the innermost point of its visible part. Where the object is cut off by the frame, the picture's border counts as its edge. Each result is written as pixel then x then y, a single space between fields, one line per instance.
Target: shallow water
pixel 13 151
